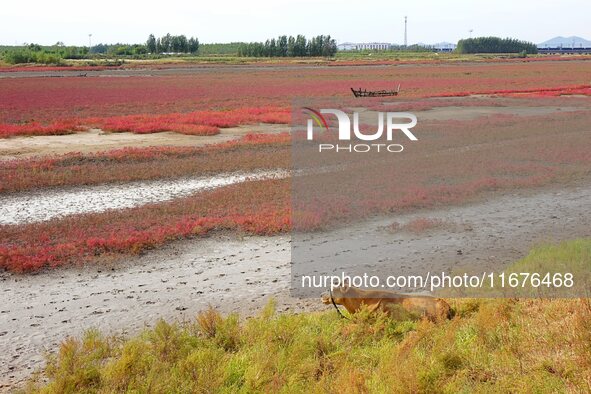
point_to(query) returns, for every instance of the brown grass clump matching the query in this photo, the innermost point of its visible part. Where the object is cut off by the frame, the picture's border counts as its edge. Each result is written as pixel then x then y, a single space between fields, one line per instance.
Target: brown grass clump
pixel 418 225
pixel 491 345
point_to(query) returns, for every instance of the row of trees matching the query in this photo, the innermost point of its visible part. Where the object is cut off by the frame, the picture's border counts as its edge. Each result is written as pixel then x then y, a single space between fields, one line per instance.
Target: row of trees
pixel 495 45
pixel 285 46
pixel 172 44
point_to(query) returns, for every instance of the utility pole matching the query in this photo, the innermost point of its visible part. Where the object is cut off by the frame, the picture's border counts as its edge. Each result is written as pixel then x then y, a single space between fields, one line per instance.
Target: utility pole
pixel 89 42
pixel 405 31
pixel 470 31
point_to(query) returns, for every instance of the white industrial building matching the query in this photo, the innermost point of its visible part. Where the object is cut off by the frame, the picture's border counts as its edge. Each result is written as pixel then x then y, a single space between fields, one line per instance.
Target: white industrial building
pixel 383 46
pixel 573 42
pixel 349 46
pixel 444 47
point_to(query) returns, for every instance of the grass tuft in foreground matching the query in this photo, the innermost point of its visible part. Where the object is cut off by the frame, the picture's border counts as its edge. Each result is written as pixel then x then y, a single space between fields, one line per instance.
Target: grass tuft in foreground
pixel 491 345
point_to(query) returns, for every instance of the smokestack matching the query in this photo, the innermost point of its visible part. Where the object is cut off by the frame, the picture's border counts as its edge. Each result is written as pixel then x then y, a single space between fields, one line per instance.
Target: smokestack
pixel 405 31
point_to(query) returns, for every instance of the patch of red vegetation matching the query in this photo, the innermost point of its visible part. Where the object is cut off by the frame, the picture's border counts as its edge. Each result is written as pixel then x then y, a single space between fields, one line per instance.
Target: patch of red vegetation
pixel 499 59
pixel 254 207
pixel 193 123
pixel 60 127
pixel 39 68
pixel 455 161
pixel 452 165
pixel 537 92
pixel 271 89
pixel 196 123
pixel 249 153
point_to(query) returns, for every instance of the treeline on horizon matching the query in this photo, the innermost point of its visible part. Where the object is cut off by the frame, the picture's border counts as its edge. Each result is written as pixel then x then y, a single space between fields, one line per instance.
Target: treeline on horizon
pixel 35 53
pixel 57 53
pixel 285 46
pixel 495 45
pixel 172 44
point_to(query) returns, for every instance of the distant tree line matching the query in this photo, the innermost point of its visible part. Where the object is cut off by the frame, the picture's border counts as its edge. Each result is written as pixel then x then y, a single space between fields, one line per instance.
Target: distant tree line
pixel 35 53
pixel 285 46
pixel 26 55
pixel 227 49
pixel 495 45
pixel 172 44
pixel 55 54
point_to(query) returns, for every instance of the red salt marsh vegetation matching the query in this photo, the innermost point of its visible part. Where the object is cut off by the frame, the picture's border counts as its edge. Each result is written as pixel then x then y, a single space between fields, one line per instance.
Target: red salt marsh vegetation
pixel 231 95
pixel 532 134
pixel 251 152
pixel 192 123
pixel 455 162
pixel 253 207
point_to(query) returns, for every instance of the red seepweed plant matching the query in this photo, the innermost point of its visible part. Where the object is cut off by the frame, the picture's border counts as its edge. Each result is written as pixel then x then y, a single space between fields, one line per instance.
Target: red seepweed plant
pixel 262 94
pixel 507 153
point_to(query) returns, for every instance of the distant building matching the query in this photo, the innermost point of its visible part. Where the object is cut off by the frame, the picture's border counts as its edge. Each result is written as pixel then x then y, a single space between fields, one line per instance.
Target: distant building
pixel 383 46
pixel 380 46
pixel 444 47
pixel 572 44
pixel 349 46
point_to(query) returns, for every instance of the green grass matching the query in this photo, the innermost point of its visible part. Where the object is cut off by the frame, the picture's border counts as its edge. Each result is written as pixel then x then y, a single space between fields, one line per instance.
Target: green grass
pixel 541 274
pixel 573 256
pixel 502 345
pixel 227 57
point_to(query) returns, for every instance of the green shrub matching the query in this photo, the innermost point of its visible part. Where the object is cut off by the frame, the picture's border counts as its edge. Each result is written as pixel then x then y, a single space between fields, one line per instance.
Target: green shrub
pixel 20 56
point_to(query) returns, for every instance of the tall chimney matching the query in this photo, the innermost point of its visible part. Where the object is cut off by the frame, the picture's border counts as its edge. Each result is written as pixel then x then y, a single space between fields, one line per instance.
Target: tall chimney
pixel 405 31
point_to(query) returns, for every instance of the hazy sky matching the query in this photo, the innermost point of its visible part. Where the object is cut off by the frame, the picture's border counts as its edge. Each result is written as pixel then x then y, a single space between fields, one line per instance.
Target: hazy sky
pixel 430 21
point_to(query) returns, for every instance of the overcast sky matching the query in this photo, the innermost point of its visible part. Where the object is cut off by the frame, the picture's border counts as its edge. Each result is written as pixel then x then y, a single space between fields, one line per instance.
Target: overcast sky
pixel 430 21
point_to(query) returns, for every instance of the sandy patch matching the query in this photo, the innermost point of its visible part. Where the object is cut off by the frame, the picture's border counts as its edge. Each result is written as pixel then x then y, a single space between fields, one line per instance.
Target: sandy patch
pixel 470 113
pixel 96 140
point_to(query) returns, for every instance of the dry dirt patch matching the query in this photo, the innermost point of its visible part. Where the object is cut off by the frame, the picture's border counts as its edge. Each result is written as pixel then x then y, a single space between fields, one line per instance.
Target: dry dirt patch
pixel 97 140
pixel 470 113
